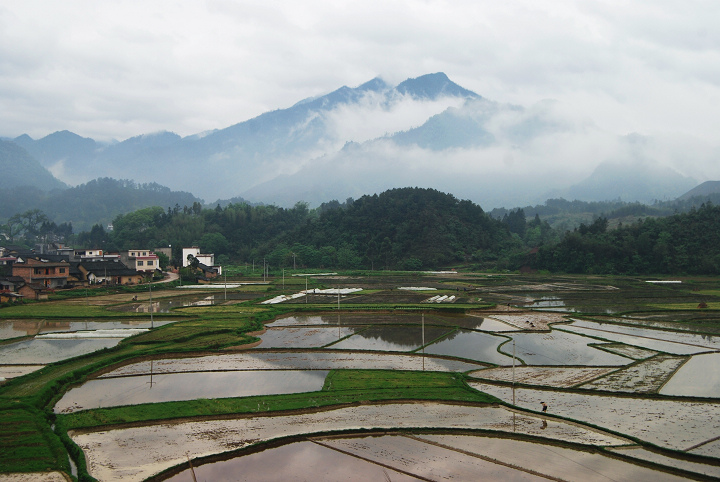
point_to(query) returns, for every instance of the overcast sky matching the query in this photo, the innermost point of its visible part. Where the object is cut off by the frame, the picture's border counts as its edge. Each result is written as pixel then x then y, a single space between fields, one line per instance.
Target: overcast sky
pixel 118 69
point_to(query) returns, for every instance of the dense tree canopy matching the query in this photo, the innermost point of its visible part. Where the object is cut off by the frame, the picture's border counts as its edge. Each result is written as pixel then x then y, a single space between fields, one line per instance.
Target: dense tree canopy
pixel 682 243
pixel 403 228
pixel 414 228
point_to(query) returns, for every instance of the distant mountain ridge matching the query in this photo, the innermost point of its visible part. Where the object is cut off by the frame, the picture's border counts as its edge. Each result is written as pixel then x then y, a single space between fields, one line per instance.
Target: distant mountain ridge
pixel 426 131
pixel 246 153
pixel 19 168
pixel 707 188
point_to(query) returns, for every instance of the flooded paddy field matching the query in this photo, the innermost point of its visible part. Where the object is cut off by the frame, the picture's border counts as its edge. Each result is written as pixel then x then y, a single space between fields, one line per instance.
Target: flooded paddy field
pixel 133 390
pixel 471 345
pixel 19 328
pixel 629 351
pixel 651 342
pixel 646 376
pixel 698 377
pixel 135 453
pixel 545 376
pixel 167 304
pixel 640 453
pixel 422 457
pixel 42 351
pixel 692 339
pixel 645 362
pixel 560 348
pixel 672 424
pixel 284 360
pixel 461 320
pixel 391 338
pixel 304 337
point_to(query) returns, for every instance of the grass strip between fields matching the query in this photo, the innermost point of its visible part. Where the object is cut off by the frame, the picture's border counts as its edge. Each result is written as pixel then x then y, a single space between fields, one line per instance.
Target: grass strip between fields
pixel 341 387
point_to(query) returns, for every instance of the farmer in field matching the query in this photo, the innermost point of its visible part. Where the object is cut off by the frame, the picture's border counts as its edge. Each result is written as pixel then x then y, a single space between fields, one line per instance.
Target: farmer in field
pixel 544 407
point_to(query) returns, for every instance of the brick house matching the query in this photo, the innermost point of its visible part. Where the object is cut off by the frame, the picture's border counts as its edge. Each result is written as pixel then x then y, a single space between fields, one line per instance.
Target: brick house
pixel 42 272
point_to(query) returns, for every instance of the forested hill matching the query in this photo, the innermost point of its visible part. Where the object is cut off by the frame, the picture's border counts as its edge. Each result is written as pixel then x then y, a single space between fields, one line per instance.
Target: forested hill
pixel 687 243
pixel 407 228
pixel 410 227
pixel 95 202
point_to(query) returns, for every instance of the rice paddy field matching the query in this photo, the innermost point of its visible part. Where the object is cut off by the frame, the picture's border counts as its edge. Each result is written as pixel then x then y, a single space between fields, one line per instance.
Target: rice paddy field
pixel 367 376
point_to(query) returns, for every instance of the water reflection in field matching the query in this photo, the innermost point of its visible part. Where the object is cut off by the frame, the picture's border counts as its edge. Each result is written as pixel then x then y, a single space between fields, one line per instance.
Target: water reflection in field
pixel 422 457
pixel 471 345
pixel 459 320
pixel 303 337
pixel 107 392
pixel 17 328
pixel 48 351
pixel 299 461
pixel 560 348
pixel 165 305
pixel 391 338
pixel 698 377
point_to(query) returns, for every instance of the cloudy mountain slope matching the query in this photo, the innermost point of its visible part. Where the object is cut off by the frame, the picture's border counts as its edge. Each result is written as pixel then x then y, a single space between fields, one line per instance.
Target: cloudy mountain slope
pixel 425 132
pixel 18 168
pixel 224 162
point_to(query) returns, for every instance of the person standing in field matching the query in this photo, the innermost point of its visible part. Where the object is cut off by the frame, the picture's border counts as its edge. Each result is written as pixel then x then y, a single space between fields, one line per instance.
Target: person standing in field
pixel 544 407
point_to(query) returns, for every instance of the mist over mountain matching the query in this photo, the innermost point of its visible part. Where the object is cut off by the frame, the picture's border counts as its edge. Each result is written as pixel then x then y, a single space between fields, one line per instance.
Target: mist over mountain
pixel 426 132
pixel 19 168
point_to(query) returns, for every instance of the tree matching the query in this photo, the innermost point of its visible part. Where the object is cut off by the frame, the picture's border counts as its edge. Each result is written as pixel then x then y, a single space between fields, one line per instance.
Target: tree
pixel 194 262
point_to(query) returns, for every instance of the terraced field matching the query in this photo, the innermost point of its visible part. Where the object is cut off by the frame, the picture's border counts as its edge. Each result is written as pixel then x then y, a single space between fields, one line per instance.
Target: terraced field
pixel 364 379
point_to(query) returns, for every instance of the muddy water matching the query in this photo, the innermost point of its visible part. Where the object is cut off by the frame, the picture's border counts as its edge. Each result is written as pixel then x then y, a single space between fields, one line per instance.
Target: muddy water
pixel 708 341
pixel 17 328
pixel 698 377
pixel 560 348
pixel 135 453
pixel 471 345
pixel 188 386
pixel 48 351
pixel 671 424
pixel 309 360
pixel 462 321
pixel 391 338
pixel 649 339
pixel 300 461
pixel 303 337
pixel 164 305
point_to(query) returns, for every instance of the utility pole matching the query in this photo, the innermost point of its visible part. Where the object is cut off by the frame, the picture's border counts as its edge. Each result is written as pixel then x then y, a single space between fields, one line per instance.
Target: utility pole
pixel 423 341
pixel 152 325
pixel 513 372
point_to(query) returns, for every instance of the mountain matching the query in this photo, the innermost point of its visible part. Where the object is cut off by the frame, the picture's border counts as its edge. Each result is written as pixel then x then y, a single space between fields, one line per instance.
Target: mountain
pixel 427 132
pixel 250 152
pixel 96 202
pixel 644 182
pixel 19 168
pixel 707 188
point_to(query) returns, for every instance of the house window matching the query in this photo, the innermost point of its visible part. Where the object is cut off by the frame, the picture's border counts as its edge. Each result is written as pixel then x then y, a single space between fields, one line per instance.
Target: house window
pixel 150 263
pixel 62 270
pixel 140 263
pixel 38 271
pixel 144 253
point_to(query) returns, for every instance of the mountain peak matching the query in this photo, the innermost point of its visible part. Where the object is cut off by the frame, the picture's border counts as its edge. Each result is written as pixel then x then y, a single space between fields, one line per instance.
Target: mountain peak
pixel 376 85
pixel 432 86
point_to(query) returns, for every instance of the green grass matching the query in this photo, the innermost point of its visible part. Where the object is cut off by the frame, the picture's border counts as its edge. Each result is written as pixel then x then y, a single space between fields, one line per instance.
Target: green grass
pixel 27 444
pixel 341 387
pixel 713 305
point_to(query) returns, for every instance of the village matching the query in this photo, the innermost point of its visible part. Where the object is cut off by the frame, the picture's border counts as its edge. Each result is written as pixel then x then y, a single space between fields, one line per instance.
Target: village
pixel 33 274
